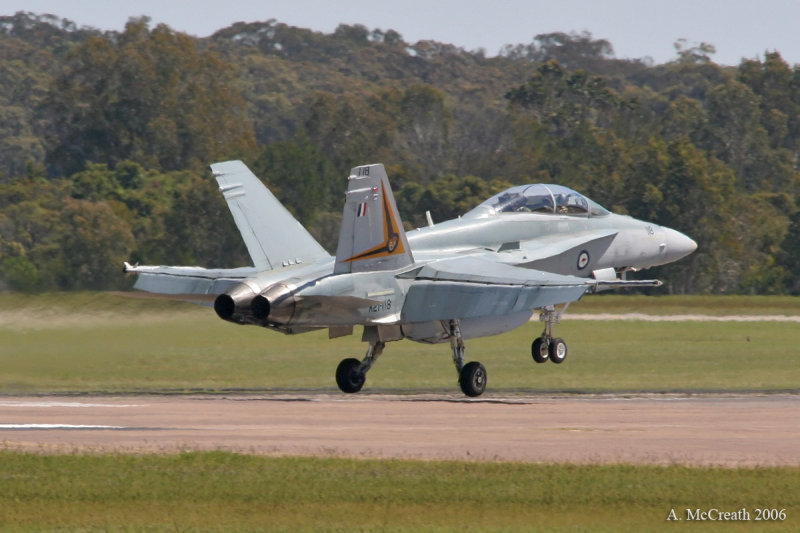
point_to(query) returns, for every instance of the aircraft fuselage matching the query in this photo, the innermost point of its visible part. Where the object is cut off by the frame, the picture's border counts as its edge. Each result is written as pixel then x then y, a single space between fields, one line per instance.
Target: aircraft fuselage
pixel 636 244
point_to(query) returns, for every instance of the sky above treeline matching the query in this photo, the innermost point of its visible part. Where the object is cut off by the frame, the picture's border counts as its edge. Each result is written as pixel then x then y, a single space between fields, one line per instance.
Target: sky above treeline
pixel 636 28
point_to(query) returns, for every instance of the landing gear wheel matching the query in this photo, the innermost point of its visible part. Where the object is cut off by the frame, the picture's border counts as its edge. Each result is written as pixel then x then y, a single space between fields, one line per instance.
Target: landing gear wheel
pixel 539 350
pixel 472 379
pixel 558 350
pixel 349 376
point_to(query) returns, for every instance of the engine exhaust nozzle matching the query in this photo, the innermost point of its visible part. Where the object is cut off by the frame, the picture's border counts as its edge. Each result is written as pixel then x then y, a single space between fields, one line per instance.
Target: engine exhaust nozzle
pixel 276 304
pixel 234 305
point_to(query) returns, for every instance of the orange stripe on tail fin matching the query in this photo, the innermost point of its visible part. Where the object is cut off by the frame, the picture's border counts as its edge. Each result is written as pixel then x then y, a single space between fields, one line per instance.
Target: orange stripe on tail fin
pixel 372 236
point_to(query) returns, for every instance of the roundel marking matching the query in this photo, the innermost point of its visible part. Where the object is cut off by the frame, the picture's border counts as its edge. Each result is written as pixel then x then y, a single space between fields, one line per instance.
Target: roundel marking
pixel 583 259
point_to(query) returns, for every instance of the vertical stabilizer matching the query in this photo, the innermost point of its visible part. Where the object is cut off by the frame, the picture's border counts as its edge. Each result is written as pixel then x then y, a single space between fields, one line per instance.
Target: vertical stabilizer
pixel 273 237
pixel 372 235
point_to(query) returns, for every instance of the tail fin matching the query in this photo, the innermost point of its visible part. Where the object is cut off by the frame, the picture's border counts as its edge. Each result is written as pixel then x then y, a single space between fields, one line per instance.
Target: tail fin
pixel 372 235
pixel 273 237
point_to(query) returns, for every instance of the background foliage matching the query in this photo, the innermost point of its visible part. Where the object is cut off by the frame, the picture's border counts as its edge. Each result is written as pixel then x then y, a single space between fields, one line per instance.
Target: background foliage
pixel 105 139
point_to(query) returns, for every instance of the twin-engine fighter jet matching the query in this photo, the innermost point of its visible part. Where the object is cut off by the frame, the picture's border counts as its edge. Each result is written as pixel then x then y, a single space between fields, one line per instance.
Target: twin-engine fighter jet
pixel 525 250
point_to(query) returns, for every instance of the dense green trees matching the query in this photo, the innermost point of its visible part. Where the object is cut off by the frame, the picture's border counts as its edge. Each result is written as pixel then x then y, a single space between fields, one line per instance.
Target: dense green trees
pixel 105 139
pixel 149 96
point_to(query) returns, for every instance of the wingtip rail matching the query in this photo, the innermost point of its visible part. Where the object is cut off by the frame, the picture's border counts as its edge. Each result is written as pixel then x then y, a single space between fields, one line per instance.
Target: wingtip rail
pixel 601 285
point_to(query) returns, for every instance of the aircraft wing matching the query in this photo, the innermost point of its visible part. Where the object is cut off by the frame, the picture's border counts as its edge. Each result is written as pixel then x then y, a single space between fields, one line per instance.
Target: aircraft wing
pixel 475 286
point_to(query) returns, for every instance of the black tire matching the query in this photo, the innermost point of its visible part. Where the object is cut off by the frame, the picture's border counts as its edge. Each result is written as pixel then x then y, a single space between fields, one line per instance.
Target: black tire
pixel 540 350
pixel 558 350
pixel 349 376
pixel 472 379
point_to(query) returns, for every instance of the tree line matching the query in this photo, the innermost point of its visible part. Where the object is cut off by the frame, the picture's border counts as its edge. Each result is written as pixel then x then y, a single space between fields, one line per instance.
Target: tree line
pixel 105 139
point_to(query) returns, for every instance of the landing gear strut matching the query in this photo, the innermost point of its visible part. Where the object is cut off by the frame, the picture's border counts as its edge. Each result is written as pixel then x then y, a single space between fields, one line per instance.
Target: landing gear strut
pixel 547 347
pixel 472 376
pixel 352 373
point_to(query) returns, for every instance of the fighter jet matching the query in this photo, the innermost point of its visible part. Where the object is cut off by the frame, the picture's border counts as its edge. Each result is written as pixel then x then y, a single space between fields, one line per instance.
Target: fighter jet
pixel 528 249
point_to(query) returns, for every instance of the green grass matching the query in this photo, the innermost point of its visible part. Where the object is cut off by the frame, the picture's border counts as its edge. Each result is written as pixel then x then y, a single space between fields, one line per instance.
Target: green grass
pixel 107 343
pixel 101 342
pixel 228 492
pixel 612 302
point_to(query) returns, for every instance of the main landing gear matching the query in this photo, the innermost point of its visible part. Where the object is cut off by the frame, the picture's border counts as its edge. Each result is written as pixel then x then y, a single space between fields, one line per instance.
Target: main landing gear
pixel 352 373
pixel 472 376
pixel 547 347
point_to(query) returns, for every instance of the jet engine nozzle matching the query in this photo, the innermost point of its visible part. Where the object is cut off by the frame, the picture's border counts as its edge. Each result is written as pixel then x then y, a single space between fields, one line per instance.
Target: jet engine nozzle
pixel 234 305
pixel 275 304
pixel 224 306
pixel 260 307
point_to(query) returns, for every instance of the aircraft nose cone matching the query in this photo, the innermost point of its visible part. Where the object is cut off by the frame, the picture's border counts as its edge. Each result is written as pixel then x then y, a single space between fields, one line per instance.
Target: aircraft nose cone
pixel 677 244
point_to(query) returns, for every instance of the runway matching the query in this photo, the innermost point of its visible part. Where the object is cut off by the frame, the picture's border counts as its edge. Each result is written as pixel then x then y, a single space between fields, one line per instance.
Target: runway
pixel 724 430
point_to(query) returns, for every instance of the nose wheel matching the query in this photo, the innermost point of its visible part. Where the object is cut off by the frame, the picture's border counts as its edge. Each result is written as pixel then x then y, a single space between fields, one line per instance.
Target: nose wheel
pixel 549 348
pixel 558 350
pixel 540 350
pixel 543 350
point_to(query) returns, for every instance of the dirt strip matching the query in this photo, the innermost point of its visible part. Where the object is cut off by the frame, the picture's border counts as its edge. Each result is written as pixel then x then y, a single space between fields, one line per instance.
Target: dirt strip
pixel 727 431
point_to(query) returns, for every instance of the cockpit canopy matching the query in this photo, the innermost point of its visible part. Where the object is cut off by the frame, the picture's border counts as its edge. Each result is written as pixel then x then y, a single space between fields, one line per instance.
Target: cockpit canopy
pixel 539 198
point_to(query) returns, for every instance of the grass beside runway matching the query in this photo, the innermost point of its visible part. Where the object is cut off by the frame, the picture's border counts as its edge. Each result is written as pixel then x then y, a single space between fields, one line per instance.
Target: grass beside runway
pixel 91 342
pixel 100 342
pixel 228 492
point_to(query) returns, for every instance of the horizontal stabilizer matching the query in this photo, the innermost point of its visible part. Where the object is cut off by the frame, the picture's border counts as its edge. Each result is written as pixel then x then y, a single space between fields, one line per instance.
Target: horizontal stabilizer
pixel 274 238
pixel 194 284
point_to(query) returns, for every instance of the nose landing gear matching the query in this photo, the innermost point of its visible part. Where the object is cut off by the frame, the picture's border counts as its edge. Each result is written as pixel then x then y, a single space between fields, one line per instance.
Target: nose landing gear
pixel 549 348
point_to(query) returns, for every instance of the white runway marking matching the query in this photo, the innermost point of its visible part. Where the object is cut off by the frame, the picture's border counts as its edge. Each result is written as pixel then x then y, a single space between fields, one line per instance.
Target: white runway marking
pixel 55 426
pixel 64 404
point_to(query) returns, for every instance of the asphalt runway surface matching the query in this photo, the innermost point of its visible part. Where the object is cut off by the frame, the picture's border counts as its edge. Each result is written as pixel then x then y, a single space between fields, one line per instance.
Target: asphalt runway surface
pixel 694 429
